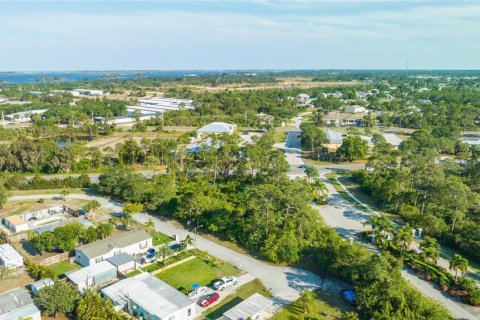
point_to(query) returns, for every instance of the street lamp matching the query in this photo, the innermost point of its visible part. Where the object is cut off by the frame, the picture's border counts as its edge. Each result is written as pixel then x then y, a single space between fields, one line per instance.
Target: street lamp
pixel 195 233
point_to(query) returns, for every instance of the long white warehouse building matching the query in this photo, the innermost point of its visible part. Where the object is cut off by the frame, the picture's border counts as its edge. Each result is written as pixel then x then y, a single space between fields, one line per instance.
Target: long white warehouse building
pixel 161 105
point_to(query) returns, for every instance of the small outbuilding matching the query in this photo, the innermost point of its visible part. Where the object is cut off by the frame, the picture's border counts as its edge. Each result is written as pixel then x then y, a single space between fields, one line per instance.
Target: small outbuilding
pixel 255 307
pixel 123 262
pixel 93 276
pixel 40 284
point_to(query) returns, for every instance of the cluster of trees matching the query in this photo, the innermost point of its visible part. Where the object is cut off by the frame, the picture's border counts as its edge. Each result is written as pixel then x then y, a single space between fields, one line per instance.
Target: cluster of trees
pixel 65 238
pixel 244 195
pixel 20 182
pixel 64 299
pixel 441 199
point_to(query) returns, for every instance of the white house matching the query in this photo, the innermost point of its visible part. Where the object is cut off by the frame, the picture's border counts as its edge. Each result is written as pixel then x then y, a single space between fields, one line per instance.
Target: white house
pixel 31 220
pixel 10 257
pixel 354 109
pixel 159 105
pixel 255 307
pixel 148 297
pixel 18 304
pixel 303 98
pixel 217 128
pixel 92 276
pixel 132 242
pixel 24 116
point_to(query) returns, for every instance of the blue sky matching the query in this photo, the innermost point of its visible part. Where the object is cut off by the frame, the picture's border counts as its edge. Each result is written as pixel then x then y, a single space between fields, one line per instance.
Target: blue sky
pixel 234 34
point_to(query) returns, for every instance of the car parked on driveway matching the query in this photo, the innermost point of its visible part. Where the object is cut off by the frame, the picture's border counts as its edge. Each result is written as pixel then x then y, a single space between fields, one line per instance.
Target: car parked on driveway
pixel 207 300
pixel 303 166
pixel 225 282
pixel 197 293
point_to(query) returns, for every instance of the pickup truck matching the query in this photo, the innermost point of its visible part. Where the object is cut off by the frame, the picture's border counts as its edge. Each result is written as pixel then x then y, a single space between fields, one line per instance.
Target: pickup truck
pixel 225 282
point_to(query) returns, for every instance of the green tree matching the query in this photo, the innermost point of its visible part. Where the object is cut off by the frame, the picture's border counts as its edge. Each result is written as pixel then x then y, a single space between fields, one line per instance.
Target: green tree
pixel 92 307
pixel 308 300
pixel 3 195
pixel 348 316
pixel 353 148
pixel 458 263
pixel 150 225
pixel 60 298
pixel 165 252
pixel 404 237
pixel 64 194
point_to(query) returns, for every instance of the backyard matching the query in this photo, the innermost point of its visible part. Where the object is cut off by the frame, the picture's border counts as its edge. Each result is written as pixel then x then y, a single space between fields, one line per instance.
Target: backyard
pixel 60 268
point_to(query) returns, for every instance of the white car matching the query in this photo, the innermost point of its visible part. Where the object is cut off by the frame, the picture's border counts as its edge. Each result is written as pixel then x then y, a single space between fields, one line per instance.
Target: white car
pixel 197 293
pixel 225 282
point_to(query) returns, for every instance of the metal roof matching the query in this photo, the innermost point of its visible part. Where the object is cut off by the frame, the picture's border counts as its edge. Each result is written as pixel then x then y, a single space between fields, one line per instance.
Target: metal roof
pixel 16 303
pixel 217 127
pixel 334 137
pixel 42 283
pixel 121 240
pixel 120 259
pixel 81 275
pixel 248 308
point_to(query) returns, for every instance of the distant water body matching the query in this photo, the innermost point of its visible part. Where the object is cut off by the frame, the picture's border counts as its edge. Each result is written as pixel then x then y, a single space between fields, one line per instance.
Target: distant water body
pixel 45 77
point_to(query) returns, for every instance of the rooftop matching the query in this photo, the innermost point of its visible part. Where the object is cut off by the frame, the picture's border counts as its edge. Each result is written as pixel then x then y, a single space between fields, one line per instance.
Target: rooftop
pixel 8 253
pixel 334 137
pixel 120 259
pixel 16 303
pixel 120 240
pixel 248 308
pixel 15 220
pixel 81 275
pixel 150 293
pixel 42 283
pixel 217 127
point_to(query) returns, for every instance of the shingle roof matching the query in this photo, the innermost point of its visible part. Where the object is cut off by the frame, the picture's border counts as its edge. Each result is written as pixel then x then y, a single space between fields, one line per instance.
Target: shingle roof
pixel 121 240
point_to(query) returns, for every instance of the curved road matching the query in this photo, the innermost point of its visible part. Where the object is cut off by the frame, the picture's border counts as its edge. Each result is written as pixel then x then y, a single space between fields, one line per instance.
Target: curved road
pixel 285 283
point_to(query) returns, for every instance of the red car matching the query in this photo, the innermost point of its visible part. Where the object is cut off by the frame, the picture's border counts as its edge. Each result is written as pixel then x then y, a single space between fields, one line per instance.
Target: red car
pixel 209 299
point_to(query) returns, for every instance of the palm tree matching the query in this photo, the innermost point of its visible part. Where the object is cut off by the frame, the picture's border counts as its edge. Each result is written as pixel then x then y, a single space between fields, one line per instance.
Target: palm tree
pixel 385 227
pixel 165 252
pixel 404 237
pixel 458 263
pixel 312 173
pixel 373 222
pixel 320 191
pixel 150 224
pixel 188 241
pixel 308 301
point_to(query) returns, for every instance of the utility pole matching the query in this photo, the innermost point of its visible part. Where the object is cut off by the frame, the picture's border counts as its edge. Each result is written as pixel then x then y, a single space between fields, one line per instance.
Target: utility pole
pixel 3 119
pixel 195 240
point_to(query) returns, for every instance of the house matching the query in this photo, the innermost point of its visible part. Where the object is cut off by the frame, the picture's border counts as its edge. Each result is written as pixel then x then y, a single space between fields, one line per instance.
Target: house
pixel 303 98
pixel 217 128
pixel 36 219
pixel 148 297
pixel 355 109
pixel 40 284
pixel 335 139
pixel 9 257
pixel 92 276
pixel 255 307
pixel 123 262
pixel 132 242
pixel 343 119
pixel 18 304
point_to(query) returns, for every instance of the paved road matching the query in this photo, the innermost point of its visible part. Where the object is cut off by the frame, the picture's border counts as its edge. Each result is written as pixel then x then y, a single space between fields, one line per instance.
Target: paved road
pixel 285 283
pixel 348 219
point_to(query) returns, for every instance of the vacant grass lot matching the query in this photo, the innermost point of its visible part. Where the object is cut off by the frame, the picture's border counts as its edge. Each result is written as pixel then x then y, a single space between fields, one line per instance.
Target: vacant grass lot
pixel 159 238
pixel 61 267
pixel 202 270
pixel 232 300
pixel 328 307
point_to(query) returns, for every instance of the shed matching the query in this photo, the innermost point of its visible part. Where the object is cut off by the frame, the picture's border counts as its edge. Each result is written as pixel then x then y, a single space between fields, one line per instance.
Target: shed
pixel 93 276
pixel 123 262
pixel 254 307
pixel 40 284
pixel 10 257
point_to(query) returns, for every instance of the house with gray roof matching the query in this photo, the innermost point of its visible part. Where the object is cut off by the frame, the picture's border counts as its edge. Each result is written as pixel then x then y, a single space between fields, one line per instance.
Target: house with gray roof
pixel 18 304
pixel 135 242
pixel 123 262
pixel 217 128
pixel 148 297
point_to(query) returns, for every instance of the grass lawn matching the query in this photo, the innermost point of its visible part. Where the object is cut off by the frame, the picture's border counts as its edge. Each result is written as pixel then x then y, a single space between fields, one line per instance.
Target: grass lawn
pixel 200 270
pixel 356 190
pixel 134 273
pixel 159 264
pixel 232 300
pixel 159 238
pixel 329 307
pixel 61 267
pixel 46 191
pixel 279 136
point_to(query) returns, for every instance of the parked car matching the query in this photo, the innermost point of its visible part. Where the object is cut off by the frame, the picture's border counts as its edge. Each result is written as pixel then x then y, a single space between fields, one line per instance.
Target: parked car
pixel 209 299
pixel 197 293
pixel 303 166
pixel 349 296
pixel 225 282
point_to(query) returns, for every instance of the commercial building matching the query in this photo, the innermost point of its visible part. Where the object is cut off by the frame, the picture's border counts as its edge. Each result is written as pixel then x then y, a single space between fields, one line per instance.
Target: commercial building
pixel 124 119
pixel 132 242
pixel 18 304
pixel 160 105
pixel 217 128
pixel 255 307
pixel 9 257
pixel 87 92
pixel 24 116
pixel 150 298
pixel 92 276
